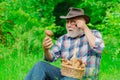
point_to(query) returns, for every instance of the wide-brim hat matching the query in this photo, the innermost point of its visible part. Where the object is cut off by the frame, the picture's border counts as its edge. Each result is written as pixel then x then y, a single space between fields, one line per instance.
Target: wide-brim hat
pixel 75 12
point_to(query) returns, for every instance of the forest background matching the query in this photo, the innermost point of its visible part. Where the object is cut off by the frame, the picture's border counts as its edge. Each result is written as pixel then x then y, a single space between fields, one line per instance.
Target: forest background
pixel 22 26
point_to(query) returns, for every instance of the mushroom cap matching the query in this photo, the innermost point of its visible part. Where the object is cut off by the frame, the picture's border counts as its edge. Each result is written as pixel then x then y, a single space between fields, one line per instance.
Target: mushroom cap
pixel 48 32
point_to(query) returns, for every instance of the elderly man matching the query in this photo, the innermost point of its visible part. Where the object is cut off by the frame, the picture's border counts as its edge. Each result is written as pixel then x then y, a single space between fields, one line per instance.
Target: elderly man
pixel 88 44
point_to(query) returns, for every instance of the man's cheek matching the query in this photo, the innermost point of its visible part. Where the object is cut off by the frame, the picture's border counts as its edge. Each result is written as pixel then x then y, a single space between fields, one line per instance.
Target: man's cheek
pixel 75 26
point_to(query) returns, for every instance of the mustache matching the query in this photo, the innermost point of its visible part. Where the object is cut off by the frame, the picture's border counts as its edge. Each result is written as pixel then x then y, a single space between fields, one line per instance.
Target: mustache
pixel 71 29
pixel 74 32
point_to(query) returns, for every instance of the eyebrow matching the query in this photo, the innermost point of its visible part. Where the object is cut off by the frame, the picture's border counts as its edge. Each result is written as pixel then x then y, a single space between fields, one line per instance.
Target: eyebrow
pixel 70 20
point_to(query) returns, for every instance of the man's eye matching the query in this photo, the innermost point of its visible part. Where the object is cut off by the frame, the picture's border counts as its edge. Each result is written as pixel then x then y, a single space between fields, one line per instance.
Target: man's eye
pixel 72 21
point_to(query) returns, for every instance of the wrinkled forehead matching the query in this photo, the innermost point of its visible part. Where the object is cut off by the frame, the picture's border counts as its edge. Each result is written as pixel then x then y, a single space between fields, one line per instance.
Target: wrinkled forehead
pixel 74 19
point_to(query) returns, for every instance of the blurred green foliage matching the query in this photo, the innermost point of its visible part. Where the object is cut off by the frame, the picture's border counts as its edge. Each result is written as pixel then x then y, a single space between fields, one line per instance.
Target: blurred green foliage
pixel 22 26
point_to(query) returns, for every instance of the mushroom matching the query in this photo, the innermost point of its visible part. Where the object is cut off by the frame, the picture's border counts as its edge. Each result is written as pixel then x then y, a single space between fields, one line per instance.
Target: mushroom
pixel 83 65
pixel 66 62
pixel 48 33
pixel 77 64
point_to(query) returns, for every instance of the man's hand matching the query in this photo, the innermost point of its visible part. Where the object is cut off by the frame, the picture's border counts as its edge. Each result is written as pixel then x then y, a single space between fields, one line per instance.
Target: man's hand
pixel 47 43
pixel 81 24
pixel 90 36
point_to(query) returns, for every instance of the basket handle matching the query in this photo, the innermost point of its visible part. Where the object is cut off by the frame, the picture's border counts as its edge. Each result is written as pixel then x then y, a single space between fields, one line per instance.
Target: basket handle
pixel 74 55
pixel 75 51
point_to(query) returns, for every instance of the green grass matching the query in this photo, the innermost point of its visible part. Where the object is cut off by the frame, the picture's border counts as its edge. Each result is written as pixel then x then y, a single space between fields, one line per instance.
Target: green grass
pixel 109 69
pixel 16 65
pixel 22 33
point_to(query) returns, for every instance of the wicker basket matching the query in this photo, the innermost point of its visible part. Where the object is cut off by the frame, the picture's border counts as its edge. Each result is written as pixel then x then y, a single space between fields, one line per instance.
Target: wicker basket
pixel 73 68
pixel 72 72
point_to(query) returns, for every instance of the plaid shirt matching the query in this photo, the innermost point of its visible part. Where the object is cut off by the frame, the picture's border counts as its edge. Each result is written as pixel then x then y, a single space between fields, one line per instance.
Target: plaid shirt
pixel 65 45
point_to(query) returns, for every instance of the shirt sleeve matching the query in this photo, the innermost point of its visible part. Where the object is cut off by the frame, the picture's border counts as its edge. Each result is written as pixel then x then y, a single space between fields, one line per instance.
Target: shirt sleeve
pixel 56 50
pixel 99 44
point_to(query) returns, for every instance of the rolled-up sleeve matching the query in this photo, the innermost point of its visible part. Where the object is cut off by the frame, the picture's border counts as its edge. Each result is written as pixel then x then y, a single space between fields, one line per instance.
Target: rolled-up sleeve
pixel 99 43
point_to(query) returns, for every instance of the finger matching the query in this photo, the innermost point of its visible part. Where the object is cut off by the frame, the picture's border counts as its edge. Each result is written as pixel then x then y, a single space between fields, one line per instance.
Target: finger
pixel 47 41
pixel 47 38
pixel 49 47
pixel 79 24
pixel 78 21
pixel 47 44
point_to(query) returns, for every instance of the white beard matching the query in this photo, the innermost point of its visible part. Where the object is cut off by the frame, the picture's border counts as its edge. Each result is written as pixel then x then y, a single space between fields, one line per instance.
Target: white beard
pixel 74 33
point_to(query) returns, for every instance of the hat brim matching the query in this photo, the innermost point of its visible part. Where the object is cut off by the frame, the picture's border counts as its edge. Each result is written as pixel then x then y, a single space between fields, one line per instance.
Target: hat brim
pixel 87 18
